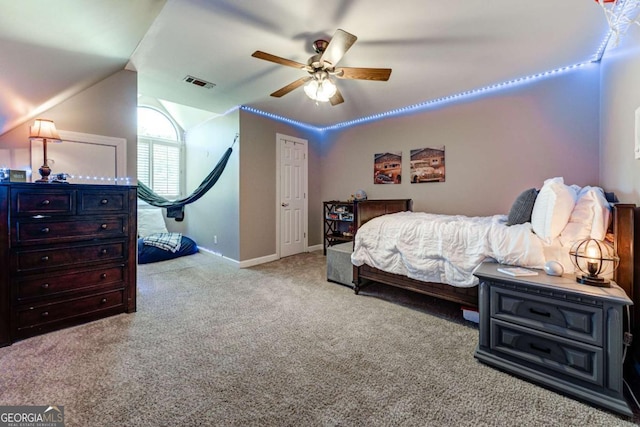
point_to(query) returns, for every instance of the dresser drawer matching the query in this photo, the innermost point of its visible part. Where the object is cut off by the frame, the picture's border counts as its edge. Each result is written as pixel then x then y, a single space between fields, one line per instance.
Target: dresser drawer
pixel 52 231
pixel 58 285
pixel 577 360
pixel 97 202
pixel 38 315
pixel 42 201
pixel 563 318
pixel 28 260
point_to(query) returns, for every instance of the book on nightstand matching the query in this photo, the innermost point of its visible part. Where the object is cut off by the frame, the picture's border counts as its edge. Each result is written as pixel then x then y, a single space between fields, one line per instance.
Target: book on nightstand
pixel 517 271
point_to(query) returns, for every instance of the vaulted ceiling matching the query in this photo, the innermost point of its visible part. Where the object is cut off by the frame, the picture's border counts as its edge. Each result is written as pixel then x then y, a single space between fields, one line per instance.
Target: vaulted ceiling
pixel 51 50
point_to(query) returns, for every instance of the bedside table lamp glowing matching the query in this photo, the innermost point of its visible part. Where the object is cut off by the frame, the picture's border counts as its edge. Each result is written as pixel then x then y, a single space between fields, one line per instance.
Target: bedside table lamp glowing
pixel 45 131
pixel 593 258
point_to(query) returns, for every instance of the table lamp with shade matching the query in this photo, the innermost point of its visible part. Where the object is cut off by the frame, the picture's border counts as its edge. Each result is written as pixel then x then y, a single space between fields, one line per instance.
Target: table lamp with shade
pixel 44 130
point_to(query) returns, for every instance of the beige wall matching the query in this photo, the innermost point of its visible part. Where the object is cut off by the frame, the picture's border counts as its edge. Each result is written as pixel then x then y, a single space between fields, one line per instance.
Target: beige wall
pixel 258 184
pixel 213 220
pixel 107 108
pixel 496 146
pixel 619 170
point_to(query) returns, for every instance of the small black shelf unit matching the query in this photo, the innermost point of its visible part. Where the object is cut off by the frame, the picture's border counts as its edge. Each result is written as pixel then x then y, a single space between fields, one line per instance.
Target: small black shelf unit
pixel 338 222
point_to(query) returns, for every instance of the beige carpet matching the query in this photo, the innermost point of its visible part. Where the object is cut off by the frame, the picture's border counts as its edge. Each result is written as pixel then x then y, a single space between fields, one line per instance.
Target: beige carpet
pixel 275 345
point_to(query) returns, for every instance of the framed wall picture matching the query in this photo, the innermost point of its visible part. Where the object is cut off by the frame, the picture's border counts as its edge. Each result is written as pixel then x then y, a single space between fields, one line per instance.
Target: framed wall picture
pixel 427 165
pixel 387 168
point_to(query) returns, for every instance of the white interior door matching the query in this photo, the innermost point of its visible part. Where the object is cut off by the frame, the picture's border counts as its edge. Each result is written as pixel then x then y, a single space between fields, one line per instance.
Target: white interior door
pixel 293 195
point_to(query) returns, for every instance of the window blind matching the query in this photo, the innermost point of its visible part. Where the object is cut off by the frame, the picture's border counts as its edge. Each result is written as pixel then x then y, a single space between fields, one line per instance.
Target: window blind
pixel 159 166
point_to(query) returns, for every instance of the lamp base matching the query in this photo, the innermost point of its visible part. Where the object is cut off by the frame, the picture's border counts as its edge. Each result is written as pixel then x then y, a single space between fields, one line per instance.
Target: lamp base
pixel 44 172
pixel 593 281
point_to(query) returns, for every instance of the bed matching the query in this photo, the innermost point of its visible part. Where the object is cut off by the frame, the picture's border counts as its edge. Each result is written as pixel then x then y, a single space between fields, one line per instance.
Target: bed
pixel 624 218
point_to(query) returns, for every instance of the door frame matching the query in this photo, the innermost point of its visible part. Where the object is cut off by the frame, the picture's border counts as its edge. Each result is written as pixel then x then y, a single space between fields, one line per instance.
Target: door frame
pixel 305 174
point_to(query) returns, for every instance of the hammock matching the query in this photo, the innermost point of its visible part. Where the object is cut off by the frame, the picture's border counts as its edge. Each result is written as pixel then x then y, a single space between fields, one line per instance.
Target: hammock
pixel 175 208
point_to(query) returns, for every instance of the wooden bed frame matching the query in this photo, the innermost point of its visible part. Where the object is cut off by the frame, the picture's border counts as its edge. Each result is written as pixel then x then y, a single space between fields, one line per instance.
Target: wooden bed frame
pixel 626 218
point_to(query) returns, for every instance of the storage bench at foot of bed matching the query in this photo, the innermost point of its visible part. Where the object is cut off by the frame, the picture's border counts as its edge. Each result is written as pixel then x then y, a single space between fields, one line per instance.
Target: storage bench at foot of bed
pixel 339 267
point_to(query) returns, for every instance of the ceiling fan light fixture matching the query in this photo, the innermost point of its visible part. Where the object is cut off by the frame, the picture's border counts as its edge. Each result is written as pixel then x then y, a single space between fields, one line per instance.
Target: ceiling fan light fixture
pixel 318 86
pixel 320 90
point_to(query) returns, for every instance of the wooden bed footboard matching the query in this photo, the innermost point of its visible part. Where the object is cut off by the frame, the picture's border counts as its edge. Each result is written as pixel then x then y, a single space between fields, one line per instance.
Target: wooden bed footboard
pixel 625 218
pixel 369 209
pixel 464 296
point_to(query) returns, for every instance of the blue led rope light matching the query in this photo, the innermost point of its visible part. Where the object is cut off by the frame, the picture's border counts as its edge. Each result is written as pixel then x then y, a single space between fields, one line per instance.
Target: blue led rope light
pixel 456 97
pixel 597 57
pixel 603 47
pixel 422 105
pixel 281 118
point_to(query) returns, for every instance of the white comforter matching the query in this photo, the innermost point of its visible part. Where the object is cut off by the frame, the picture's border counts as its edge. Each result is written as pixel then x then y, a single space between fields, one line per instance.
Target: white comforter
pixel 444 248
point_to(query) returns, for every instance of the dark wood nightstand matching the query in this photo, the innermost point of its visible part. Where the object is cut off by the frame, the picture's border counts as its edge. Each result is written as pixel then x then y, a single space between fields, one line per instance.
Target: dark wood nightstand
pixel 555 332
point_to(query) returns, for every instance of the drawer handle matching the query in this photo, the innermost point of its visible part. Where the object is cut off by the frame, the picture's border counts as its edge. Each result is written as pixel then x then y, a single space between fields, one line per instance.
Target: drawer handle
pixel 45 202
pixel 45 286
pixel 44 258
pixel 540 349
pixel 45 230
pixel 103 276
pixel 539 313
pixel 104 201
pixel 103 301
pixel 44 314
pixel 103 226
pixel 103 251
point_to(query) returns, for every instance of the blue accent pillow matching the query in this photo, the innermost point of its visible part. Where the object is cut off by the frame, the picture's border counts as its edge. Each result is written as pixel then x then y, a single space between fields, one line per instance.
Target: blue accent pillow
pixel 611 197
pixel 148 254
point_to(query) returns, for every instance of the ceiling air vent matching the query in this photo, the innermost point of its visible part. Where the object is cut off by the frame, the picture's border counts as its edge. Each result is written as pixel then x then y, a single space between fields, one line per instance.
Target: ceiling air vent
pixel 199 82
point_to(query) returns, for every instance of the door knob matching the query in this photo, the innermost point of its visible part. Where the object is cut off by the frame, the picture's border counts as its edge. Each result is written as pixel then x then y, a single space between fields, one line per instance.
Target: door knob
pixel 284 205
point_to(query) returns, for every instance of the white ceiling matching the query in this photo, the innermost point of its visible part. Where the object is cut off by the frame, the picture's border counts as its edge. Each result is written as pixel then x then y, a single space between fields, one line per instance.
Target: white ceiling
pixel 50 50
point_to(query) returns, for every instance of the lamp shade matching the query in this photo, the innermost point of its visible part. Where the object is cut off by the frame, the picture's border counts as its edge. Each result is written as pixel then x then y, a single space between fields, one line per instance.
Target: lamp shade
pixel 44 129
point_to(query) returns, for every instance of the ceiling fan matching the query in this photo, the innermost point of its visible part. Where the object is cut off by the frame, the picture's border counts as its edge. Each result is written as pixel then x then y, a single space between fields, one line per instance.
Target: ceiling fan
pixel 322 66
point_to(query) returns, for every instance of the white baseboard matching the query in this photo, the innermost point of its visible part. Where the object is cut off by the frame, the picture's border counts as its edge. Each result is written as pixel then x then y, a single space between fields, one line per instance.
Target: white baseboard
pixel 255 261
pixel 258 261
pixel 218 254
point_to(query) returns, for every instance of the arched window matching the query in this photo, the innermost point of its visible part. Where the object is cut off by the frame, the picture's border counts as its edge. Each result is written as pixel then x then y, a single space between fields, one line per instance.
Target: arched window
pixel 159 153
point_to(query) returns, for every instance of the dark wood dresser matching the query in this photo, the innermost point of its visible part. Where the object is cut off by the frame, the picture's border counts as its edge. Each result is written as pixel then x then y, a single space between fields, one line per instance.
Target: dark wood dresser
pixel 68 255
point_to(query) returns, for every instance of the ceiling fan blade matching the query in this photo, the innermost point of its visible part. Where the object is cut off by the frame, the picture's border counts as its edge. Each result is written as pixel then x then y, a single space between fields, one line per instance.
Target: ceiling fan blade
pixel 336 98
pixel 338 46
pixel 291 86
pixel 278 60
pixel 381 74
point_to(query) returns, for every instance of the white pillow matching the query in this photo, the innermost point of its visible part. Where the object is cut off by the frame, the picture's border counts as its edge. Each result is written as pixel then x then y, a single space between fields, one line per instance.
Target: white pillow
pixel 581 219
pixel 151 221
pixel 552 209
pixel 590 217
